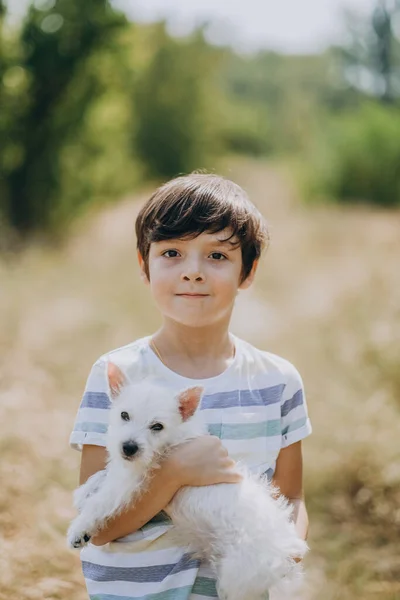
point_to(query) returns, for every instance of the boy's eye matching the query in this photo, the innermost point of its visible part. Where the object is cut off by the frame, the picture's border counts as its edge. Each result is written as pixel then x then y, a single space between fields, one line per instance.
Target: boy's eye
pixel 125 416
pixel 157 427
pixel 218 256
pixel 171 253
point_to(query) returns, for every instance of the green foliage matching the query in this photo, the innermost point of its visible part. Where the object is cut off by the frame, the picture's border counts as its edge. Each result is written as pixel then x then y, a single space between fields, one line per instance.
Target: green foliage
pixel 246 129
pixel 272 100
pixel 357 158
pixel 54 44
pixel 174 105
pixel 96 162
pixel 90 104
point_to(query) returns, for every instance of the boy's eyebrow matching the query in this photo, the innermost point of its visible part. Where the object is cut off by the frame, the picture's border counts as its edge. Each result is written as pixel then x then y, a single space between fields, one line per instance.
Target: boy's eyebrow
pixel 229 242
pixel 224 243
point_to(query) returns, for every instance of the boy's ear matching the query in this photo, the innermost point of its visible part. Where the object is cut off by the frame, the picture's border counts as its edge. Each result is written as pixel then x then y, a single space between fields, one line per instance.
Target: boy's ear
pixel 116 379
pixel 142 268
pixel 250 277
pixel 188 401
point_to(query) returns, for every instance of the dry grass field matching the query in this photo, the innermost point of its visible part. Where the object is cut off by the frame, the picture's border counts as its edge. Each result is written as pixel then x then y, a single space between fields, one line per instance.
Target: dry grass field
pixel 327 298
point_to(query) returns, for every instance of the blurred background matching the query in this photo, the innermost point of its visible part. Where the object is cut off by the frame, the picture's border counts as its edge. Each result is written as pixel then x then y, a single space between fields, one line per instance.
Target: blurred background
pixel 297 102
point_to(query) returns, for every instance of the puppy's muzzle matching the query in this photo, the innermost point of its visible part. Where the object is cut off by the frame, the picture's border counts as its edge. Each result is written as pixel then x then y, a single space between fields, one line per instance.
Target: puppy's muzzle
pixel 130 449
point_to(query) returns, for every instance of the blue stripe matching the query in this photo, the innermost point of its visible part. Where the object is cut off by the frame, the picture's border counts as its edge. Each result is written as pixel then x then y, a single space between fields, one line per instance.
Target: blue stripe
pixel 237 398
pixel 245 431
pixel 295 425
pixel 231 399
pixel 289 405
pixel 95 400
pixel 215 429
pixel 181 593
pixel 250 431
pixel 204 586
pixel 150 574
pixel 160 518
pixel 90 427
pixel 268 474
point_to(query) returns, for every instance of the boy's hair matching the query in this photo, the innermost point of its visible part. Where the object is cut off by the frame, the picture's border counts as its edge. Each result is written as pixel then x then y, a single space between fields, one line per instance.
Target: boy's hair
pixel 189 205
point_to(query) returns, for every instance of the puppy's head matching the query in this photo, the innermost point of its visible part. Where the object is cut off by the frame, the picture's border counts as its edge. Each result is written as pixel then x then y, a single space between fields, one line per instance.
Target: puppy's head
pixel 145 419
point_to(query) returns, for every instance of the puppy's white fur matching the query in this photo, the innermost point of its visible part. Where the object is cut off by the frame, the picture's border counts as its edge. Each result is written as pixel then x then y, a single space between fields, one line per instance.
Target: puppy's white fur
pixel 242 529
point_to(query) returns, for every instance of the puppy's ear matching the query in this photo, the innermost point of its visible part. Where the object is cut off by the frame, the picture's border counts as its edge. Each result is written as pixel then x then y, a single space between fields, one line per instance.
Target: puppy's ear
pixel 116 379
pixel 188 401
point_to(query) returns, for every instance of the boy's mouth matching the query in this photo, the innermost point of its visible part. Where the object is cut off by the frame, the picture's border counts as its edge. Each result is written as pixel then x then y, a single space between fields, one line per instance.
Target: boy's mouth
pixel 193 295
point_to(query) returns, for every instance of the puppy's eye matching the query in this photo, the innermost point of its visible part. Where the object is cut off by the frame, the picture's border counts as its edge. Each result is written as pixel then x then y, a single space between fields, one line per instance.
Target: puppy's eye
pixel 157 427
pixel 124 416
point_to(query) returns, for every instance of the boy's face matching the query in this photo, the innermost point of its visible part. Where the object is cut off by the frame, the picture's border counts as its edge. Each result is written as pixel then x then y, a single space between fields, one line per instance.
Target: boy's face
pixel 195 281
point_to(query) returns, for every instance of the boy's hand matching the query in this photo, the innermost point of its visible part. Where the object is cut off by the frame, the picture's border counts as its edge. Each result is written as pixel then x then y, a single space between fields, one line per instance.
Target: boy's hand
pixel 202 461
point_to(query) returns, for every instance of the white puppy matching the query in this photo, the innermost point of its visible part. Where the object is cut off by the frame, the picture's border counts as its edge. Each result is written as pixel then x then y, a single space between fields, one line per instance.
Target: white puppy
pixel 242 529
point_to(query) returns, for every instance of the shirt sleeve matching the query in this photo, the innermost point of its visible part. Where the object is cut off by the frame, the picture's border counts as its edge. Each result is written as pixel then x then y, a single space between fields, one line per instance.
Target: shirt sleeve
pixel 91 422
pixel 295 422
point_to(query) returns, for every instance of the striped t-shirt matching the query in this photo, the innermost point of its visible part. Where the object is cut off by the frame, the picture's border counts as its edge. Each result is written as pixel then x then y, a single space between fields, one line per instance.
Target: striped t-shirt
pixel 256 406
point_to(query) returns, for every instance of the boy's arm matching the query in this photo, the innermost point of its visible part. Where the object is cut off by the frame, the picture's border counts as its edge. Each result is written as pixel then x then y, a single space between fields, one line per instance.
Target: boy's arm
pixel 160 492
pixel 201 461
pixel 288 477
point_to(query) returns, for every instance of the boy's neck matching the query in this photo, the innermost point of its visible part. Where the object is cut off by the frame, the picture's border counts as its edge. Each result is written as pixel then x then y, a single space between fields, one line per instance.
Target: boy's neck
pixel 195 352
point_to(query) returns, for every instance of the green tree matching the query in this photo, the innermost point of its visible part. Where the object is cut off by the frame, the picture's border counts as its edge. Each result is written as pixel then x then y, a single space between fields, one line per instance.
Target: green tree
pixel 175 105
pixel 56 38
pixel 273 99
pixel 358 157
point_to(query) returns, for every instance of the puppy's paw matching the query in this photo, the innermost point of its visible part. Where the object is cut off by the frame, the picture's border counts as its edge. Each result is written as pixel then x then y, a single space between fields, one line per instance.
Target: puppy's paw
pixel 79 542
pixel 77 538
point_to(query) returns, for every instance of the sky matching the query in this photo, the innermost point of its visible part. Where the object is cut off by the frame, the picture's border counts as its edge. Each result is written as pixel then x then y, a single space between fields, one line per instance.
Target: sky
pixel 289 26
pixel 292 26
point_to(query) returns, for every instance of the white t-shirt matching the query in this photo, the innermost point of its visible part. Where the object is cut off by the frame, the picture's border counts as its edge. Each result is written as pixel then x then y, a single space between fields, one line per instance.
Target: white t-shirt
pixel 256 406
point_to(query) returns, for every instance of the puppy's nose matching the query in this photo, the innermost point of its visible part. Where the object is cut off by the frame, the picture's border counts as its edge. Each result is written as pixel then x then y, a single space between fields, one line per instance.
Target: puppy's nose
pixel 130 448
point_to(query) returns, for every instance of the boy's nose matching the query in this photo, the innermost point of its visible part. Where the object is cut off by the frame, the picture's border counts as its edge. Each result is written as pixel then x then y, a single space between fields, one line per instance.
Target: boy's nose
pixel 192 272
pixel 130 448
pixel 196 276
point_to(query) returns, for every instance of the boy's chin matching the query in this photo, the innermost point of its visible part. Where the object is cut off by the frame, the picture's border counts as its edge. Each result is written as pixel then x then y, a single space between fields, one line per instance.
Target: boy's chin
pixel 196 318
pixel 206 321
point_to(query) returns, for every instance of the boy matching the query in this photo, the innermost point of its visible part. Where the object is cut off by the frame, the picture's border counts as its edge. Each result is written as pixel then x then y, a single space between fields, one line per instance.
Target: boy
pixel 199 239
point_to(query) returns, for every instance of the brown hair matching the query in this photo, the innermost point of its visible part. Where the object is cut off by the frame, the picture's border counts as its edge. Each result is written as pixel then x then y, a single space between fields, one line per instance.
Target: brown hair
pixel 192 204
